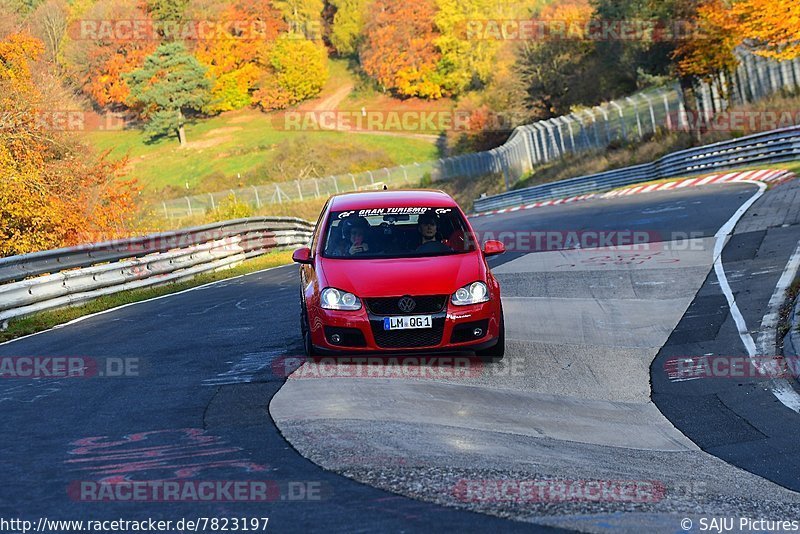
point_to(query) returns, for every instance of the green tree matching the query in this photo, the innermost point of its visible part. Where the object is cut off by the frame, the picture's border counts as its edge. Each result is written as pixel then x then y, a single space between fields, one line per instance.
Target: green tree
pixel 465 63
pixel 626 60
pixel 348 25
pixel 303 16
pixel 555 69
pixel 550 71
pixel 171 83
pixel 167 10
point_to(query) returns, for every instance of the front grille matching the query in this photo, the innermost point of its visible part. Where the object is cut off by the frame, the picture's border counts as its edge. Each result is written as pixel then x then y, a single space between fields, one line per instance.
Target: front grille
pixel 424 304
pixel 416 337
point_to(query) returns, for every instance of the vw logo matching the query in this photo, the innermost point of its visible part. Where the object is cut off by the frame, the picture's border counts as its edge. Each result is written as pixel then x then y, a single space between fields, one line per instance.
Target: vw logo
pixel 406 304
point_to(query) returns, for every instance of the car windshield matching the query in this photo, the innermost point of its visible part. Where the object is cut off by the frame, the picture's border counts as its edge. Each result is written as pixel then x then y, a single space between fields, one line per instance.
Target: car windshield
pixel 397 233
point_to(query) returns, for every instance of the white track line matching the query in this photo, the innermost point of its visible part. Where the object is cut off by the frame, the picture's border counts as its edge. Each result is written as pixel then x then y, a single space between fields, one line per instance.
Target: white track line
pixel 782 390
pixel 780 387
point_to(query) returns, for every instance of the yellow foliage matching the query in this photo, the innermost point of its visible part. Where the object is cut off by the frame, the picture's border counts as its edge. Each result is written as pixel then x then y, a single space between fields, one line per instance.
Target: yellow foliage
pixel 774 25
pixel 50 197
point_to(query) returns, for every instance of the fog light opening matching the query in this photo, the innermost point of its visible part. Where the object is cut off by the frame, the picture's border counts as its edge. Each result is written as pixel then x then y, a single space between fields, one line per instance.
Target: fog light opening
pixel 478 332
pixel 336 338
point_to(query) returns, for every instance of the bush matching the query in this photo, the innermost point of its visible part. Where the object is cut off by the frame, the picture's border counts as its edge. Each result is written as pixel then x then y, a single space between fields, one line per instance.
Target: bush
pixel 229 209
pixel 299 70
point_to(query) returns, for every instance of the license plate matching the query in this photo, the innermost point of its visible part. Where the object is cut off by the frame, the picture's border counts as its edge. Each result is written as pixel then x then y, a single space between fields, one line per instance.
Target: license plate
pixel 407 322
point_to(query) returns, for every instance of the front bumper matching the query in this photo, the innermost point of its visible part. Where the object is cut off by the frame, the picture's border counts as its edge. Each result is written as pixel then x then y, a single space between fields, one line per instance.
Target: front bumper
pixel 361 332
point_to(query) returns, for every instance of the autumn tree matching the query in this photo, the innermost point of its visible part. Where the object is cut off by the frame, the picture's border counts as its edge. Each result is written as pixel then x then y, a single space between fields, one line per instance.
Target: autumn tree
pixel 297 71
pixel 466 62
pixel 170 84
pixel 98 58
pixel 399 47
pixel 770 27
pixel 53 194
pixel 238 57
pixel 707 53
pixel 49 22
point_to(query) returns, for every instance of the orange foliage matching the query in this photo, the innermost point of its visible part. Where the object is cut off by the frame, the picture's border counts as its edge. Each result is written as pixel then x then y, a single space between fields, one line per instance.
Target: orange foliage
pixel 772 26
pixel 574 14
pixel 104 55
pixel 51 196
pixel 236 56
pixel 710 50
pixel 399 50
pixel 106 85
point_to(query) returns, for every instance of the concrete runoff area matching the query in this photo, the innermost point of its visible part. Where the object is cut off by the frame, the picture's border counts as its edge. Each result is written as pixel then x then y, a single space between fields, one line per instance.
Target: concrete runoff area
pixel 571 400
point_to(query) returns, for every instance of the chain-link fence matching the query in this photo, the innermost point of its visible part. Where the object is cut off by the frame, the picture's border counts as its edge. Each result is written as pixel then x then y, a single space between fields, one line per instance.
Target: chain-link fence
pixel 629 119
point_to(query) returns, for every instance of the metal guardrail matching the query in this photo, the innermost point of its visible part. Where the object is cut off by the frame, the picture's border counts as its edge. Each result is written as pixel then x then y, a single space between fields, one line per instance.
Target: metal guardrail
pixel 769 147
pixel 67 276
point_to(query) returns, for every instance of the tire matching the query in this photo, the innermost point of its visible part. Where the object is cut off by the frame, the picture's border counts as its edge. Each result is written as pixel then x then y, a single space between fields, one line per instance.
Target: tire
pixel 305 331
pixel 496 353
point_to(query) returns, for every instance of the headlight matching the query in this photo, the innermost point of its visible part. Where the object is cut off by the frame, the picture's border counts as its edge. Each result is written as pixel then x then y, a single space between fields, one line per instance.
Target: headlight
pixel 335 299
pixel 473 293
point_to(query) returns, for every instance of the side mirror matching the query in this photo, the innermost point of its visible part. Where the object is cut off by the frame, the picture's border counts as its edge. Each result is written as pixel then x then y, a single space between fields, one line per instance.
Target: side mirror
pixel 302 255
pixel 493 248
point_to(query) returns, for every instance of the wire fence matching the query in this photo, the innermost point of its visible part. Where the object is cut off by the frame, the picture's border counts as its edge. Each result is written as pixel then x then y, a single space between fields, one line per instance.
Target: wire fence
pixel 625 120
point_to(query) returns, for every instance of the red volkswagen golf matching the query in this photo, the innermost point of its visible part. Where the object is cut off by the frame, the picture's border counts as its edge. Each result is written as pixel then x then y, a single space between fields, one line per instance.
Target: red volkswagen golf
pixel 398 271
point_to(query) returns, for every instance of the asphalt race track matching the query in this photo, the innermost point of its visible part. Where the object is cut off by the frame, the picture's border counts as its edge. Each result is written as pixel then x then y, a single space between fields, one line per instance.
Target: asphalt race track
pixel 583 394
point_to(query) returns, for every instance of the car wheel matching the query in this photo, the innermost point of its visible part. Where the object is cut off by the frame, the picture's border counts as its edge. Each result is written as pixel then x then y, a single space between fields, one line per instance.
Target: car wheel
pixel 305 331
pixel 497 352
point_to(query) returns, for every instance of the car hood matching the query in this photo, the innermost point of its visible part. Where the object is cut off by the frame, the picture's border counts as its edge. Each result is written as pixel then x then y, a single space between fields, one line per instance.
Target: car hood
pixel 436 275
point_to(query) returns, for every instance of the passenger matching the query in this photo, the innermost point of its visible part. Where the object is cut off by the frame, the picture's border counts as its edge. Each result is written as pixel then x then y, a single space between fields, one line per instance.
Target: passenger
pixel 354 232
pixel 430 238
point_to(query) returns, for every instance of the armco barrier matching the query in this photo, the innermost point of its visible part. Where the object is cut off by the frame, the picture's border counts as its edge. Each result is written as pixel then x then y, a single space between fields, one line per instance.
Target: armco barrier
pixel 769 147
pixel 62 277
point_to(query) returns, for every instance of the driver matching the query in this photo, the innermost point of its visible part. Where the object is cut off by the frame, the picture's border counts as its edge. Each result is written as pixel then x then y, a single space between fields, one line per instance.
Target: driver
pixel 354 231
pixel 430 239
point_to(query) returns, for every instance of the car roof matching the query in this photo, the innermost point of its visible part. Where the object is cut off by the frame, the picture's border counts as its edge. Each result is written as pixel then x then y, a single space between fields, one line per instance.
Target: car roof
pixel 399 198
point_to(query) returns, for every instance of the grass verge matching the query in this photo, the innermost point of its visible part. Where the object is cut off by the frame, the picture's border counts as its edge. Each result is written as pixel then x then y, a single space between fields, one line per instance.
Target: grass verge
pixel 222 150
pixel 48 319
